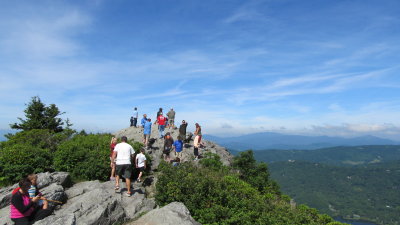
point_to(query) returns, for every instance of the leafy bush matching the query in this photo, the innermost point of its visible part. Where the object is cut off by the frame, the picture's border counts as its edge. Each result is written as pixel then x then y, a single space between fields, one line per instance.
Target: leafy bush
pixel 211 160
pixel 255 173
pixel 19 160
pixel 221 197
pixel 85 156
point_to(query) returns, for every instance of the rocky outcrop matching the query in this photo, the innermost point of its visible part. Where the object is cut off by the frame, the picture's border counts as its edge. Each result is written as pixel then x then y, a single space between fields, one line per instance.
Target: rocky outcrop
pixel 90 202
pixel 136 134
pixel 94 202
pixel 171 214
pixel 52 186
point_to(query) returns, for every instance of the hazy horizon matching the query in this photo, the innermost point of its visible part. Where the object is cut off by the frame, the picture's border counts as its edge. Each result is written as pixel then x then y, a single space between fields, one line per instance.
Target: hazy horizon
pixel 238 67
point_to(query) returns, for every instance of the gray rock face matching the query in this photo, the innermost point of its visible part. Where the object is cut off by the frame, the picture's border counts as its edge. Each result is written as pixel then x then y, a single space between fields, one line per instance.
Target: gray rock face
pixel 86 203
pixel 171 214
pixel 92 202
pixel 136 134
pixel 50 184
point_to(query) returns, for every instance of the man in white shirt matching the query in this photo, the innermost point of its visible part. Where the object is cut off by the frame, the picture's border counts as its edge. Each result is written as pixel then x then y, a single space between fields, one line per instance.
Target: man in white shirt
pixel 135 117
pixel 141 163
pixel 122 155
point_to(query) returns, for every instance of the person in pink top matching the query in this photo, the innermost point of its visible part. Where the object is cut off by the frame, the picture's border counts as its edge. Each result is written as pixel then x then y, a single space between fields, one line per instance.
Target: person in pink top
pixel 112 164
pixel 24 210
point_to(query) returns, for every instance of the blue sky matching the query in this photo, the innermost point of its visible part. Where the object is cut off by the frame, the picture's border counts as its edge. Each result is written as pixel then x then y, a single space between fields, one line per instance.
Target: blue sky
pixel 306 67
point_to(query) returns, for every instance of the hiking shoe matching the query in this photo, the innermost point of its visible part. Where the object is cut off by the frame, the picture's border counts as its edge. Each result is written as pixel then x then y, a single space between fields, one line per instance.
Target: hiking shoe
pixel 138 180
pixel 128 194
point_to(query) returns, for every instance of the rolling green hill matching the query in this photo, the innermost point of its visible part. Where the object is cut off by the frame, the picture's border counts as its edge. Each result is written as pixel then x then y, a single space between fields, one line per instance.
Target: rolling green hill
pixel 354 155
pixel 370 192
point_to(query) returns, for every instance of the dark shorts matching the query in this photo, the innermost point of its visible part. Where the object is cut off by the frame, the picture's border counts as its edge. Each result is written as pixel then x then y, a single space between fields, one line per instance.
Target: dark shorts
pixel 167 150
pixel 124 170
pixel 141 169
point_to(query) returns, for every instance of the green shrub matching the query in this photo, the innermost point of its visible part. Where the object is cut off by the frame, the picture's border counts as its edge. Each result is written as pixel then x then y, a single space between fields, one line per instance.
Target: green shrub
pixel 211 160
pixel 19 160
pixel 85 156
pixel 221 197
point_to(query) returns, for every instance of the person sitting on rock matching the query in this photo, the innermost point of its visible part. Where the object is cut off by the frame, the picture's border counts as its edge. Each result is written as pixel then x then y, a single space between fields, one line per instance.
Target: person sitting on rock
pixel 23 209
pixel 168 142
pixel 140 163
pixel 122 155
pixel 176 162
pixel 34 191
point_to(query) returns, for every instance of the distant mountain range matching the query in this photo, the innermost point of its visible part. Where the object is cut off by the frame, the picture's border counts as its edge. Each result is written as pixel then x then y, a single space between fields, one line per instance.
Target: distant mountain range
pixel 270 140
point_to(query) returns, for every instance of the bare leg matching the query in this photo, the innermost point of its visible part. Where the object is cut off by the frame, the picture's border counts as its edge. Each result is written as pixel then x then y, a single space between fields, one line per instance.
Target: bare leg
pixel 128 184
pixel 117 181
pixel 45 204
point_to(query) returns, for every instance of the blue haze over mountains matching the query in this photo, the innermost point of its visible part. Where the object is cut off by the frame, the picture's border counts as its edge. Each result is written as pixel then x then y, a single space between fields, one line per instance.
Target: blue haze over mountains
pixel 270 140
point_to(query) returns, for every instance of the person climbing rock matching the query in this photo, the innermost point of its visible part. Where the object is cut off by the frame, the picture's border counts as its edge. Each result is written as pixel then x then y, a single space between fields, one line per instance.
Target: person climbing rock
pixel 140 163
pixel 123 152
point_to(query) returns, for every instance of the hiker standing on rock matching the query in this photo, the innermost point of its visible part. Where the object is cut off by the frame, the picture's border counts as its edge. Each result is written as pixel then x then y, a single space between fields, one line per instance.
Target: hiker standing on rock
pixel 24 210
pixel 135 117
pixel 168 142
pixel 140 163
pixel 178 146
pixel 171 118
pixel 132 120
pixel 159 112
pixel 112 165
pixel 146 132
pixel 144 119
pixel 182 130
pixel 161 120
pixel 198 132
pixel 123 152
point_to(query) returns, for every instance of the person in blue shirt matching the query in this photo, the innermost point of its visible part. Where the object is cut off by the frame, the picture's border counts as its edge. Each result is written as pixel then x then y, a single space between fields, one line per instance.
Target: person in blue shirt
pixel 178 146
pixel 146 132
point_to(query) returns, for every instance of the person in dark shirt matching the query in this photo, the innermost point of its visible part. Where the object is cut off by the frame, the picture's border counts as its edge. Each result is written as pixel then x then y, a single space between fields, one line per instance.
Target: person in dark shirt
pixel 182 130
pixel 168 142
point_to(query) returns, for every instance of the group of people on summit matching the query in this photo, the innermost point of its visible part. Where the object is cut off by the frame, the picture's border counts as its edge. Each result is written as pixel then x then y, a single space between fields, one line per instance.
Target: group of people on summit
pixel 121 153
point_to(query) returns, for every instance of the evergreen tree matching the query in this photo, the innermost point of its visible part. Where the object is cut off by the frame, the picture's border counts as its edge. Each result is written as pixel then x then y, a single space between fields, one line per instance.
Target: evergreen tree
pixel 40 116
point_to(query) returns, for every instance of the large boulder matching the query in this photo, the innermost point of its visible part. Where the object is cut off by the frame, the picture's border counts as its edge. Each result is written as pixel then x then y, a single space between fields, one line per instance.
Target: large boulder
pixel 93 202
pixel 171 214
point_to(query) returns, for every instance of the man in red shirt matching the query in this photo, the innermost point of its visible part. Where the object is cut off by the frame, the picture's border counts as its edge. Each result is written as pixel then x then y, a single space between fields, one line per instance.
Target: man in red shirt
pixel 161 119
